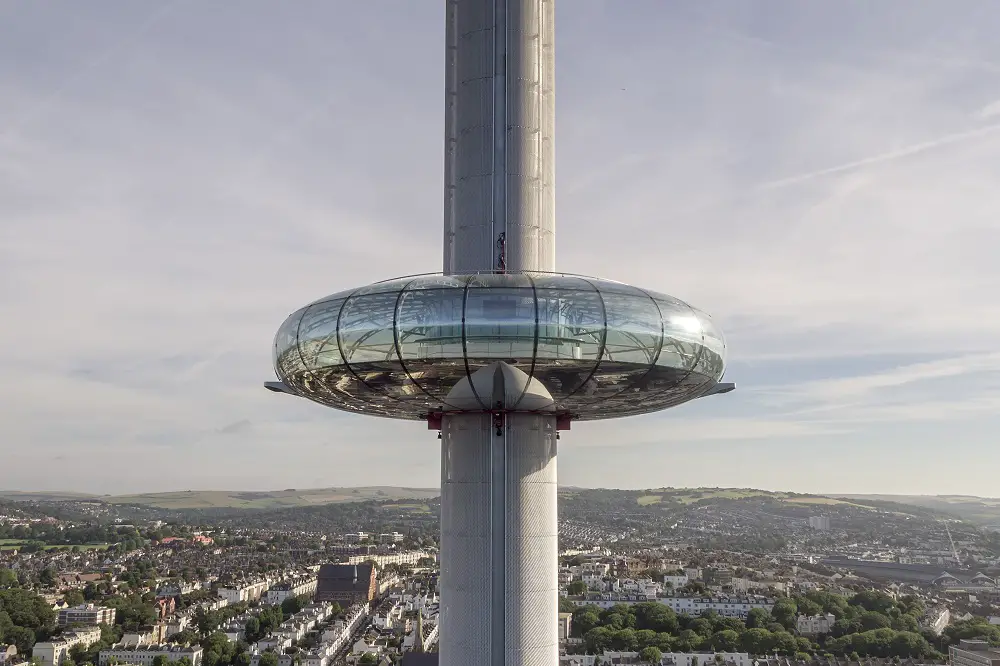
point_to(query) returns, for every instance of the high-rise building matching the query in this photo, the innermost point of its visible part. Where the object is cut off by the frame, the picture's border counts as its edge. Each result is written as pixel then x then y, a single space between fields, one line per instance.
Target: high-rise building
pixel 86 614
pixel 970 652
pixel 499 352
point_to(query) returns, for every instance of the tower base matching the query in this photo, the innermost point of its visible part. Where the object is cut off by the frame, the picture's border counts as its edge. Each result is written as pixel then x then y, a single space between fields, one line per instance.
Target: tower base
pixel 499 541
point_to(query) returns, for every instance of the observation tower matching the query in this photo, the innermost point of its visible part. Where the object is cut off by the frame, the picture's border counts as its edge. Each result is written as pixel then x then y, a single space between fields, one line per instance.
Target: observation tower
pixel 499 352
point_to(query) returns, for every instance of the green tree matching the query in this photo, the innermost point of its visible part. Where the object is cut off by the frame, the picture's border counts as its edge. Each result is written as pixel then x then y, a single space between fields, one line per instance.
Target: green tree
pixel 368 658
pixel 784 612
pixel 268 659
pixel 22 637
pixel 650 655
pixel 873 601
pixel 598 640
pixel 726 640
pixel 251 630
pixel 585 618
pixel 871 620
pixel 656 617
pixel 576 588
pixel 8 579
pixel 757 641
pixel 784 643
pixel 806 606
pixel 757 618
pixel 47 577
pixel 74 598
pixel 161 660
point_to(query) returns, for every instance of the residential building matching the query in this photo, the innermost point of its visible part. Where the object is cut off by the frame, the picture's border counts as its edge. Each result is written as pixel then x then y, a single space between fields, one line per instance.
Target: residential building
pixel 296 587
pixel 724 606
pixel 719 576
pixel 676 581
pixel 405 557
pixel 175 589
pixel 935 619
pixel 668 659
pixel 247 591
pixel 973 653
pixel 346 583
pixel 391 537
pixel 8 654
pixel 55 652
pixel 565 626
pixel 87 614
pixel 143 655
pixel 356 537
pixel 812 625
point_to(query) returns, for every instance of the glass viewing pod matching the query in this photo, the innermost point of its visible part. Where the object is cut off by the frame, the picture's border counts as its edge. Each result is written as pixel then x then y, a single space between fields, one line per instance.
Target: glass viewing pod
pixel 397 348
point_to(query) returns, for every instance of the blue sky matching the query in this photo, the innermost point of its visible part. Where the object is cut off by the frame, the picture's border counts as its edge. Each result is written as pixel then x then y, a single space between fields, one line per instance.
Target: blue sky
pixel 176 177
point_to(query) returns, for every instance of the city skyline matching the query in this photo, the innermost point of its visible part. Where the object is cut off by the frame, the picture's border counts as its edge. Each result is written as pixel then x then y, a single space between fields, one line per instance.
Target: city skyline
pixel 164 183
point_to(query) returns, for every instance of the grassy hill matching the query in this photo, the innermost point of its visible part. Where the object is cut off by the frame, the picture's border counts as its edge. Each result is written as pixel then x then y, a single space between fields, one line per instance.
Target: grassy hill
pixel 980 510
pixel 273 499
pixel 236 499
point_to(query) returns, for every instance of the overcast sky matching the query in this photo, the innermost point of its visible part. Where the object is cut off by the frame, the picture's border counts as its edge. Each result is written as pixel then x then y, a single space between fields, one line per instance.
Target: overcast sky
pixel 176 177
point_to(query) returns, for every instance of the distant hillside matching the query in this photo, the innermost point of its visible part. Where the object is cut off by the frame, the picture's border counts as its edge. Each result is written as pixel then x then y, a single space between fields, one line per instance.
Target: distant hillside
pixel 42 496
pixel 683 497
pixel 980 510
pixel 235 499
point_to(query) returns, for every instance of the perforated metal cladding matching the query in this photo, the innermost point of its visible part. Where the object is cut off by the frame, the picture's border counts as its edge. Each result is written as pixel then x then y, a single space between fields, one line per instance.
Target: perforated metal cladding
pixel 465 541
pixel 500 121
pixel 527 533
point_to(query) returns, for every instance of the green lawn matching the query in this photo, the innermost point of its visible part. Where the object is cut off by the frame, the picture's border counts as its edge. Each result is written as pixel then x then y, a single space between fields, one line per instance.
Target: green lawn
pixel 646 500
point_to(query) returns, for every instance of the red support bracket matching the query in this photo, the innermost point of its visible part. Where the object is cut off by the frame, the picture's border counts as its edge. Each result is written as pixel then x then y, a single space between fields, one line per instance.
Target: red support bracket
pixel 434 420
pixel 563 422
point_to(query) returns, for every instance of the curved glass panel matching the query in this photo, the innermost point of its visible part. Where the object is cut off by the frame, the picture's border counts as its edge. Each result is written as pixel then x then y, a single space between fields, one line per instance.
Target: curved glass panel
pixel 438 282
pixel 429 330
pixel 286 358
pixel 571 337
pixel 570 282
pixel 499 324
pixel 385 287
pixel 713 359
pixel 682 337
pixel 365 329
pixel 632 344
pixel 635 331
pixel 325 378
pixel 368 341
pixel 499 281
pixel 340 295
pixel 318 335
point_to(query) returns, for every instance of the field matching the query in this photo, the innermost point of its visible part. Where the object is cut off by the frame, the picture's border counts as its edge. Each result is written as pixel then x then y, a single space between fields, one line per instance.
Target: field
pixel 274 499
pixel 980 510
pixel 816 500
pixel 412 507
pixel 692 495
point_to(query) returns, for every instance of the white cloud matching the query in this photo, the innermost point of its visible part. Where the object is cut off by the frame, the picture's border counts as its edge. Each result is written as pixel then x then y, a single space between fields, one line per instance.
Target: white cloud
pixel 173 182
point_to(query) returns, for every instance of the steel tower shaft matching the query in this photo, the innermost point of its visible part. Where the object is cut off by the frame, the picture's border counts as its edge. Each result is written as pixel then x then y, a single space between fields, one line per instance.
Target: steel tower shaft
pixel 499 135
pixel 499 535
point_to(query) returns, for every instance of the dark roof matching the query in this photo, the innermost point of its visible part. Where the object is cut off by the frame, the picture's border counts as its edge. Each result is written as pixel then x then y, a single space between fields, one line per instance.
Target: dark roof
pixel 420 659
pixel 345 571
pixel 344 577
